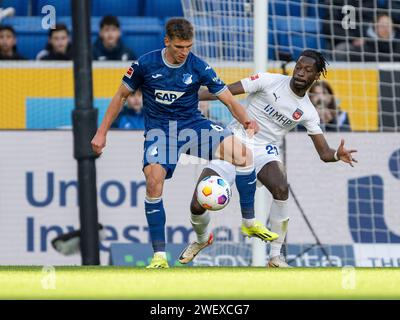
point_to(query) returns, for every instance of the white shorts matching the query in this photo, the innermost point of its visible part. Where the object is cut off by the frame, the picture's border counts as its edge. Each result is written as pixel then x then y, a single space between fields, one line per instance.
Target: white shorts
pixel 262 156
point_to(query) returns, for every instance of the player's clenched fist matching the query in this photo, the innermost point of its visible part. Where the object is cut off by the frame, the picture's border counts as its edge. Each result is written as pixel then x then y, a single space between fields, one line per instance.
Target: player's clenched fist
pixel 251 127
pixel 98 143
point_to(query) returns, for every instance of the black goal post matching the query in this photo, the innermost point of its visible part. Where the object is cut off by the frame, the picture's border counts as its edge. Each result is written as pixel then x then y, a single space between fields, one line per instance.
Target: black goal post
pixel 84 119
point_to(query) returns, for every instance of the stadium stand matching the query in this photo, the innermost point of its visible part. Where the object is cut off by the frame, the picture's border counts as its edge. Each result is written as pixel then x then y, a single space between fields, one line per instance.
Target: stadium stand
pixel 163 8
pixel 63 8
pixel 291 33
pixel 117 8
pixel 142 24
pixel 22 7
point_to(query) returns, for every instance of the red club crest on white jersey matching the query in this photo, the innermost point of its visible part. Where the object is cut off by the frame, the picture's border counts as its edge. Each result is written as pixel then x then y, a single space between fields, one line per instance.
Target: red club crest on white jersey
pixel 297 114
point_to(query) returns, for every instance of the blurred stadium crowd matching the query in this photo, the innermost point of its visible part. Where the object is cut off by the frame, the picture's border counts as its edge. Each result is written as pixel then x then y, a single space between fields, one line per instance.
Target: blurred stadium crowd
pixel 124 30
pixel 140 24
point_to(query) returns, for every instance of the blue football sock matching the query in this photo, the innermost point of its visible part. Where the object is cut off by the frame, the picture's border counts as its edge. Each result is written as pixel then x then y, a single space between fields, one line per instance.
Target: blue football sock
pixel 155 216
pixel 246 185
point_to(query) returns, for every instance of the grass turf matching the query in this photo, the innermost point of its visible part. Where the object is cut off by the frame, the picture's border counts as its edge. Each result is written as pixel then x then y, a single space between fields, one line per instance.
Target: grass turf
pixel 199 283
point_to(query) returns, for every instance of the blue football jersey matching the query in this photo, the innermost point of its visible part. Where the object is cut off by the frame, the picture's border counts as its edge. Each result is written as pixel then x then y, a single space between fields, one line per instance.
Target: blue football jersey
pixel 170 92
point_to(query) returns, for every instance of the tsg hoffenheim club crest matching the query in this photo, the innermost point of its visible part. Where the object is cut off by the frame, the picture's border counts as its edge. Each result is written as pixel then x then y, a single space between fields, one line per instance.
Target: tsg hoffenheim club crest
pixel 187 78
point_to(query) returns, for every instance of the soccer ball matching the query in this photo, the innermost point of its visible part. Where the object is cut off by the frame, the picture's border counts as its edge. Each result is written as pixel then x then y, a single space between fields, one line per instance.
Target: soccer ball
pixel 213 193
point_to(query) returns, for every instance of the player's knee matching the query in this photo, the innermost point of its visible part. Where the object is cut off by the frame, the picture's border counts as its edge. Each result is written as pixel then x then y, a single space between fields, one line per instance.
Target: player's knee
pixel 153 187
pixel 196 208
pixel 280 191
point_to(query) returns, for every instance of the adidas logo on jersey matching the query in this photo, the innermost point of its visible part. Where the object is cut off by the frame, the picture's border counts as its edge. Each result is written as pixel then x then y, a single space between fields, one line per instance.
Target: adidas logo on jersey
pixel 167 97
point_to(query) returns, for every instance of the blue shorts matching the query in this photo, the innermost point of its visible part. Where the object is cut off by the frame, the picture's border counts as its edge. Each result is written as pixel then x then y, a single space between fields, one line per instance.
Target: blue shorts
pixel 199 137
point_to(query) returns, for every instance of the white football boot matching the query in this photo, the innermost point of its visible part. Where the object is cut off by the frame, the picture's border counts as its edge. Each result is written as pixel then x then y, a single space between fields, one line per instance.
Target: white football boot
pixel 278 262
pixel 191 251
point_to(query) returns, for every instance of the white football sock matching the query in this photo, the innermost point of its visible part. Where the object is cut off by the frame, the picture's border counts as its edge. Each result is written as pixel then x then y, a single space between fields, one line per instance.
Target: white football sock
pixel 248 222
pixel 161 253
pixel 279 220
pixel 200 226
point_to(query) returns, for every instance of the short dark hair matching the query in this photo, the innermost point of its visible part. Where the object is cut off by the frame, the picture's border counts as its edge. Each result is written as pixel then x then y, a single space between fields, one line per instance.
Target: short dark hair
pixel 109 21
pixel 179 28
pixel 320 62
pixel 382 13
pixel 58 27
pixel 7 28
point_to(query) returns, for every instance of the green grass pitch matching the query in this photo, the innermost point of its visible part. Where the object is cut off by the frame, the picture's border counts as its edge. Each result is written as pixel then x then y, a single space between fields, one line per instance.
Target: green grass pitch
pixel 199 283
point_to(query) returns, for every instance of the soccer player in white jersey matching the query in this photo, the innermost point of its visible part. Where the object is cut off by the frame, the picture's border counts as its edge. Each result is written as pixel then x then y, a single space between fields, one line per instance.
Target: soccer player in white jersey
pixel 278 103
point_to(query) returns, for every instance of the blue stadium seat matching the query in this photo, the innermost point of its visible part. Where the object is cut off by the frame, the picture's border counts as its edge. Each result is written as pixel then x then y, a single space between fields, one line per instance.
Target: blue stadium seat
pixel 116 7
pixel 30 43
pixel 208 41
pixel 67 20
pixel 313 10
pixel 24 23
pixel 296 34
pixel 63 8
pixel 284 8
pixel 140 34
pixel 21 6
pixel 31 37
pixel 163 8
pixel 227 37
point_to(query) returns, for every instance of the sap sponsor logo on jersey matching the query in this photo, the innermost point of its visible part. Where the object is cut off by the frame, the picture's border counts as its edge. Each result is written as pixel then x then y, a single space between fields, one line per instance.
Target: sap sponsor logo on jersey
pixel 167 97
pixel 277 117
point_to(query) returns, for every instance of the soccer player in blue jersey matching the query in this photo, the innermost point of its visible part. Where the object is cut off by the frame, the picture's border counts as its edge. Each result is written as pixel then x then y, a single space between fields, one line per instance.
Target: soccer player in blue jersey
pixel 170 80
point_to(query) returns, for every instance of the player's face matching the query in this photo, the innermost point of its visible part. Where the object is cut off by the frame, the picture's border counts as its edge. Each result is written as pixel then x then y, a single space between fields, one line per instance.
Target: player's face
pixel 110 35
pixel 59 41
pixel 304 73
pixel 7 41
pixel 177 49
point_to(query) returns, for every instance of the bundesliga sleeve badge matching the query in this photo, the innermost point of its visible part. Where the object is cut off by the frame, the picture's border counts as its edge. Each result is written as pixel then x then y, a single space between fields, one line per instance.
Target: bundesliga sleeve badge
pixel 129 72
pixel 254 77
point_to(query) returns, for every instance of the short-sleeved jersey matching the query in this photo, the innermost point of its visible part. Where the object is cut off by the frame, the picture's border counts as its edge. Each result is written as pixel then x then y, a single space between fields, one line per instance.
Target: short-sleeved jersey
pixel 276 108
pixel 170 92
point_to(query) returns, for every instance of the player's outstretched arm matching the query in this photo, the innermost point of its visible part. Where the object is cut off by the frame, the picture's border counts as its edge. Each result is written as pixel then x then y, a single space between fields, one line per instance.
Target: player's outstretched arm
pixel 99 140
pixel 331 155
pixel 238 111
pixel 235 88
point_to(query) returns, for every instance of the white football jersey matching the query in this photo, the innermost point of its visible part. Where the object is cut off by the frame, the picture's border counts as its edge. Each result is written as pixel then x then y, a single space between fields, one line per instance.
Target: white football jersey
pixel 276 108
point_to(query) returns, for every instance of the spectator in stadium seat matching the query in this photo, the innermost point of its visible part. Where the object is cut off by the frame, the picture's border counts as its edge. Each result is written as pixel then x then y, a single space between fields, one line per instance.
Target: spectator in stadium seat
pixel 348 44
pixel 131 115
pixel 108 45
pixel 58 46
pixel 333 30
pixel 369 6
pixel 332 118
pixel 381 44
pixel 8 44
